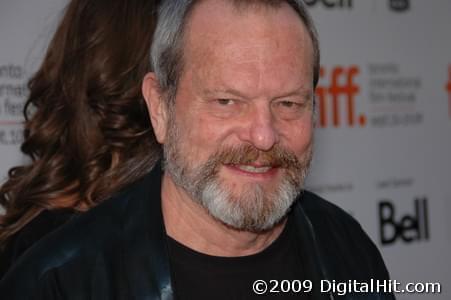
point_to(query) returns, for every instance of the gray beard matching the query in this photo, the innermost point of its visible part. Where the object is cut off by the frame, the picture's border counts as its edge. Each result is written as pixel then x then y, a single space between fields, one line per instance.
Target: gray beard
pixel 253 210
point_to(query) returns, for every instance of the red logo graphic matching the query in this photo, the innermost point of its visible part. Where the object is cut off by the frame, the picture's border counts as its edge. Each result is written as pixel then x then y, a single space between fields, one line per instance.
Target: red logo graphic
pixel 448 88
pixel 330 3
pixel 341 84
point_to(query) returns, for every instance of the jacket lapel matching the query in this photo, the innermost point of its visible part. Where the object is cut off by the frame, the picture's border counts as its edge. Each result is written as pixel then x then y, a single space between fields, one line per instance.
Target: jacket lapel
pixel 307 247
pixel 146 255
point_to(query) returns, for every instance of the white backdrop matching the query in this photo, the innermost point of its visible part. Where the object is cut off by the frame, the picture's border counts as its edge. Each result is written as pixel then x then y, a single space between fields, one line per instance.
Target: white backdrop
pixel 383 142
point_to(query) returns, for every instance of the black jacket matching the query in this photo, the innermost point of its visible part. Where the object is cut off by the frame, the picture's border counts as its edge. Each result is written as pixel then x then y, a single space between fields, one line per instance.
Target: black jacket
pixel 118 250
pixel 43 224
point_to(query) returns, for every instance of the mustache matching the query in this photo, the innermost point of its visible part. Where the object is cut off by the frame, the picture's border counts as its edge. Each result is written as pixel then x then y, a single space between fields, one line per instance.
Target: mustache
pixel 277 156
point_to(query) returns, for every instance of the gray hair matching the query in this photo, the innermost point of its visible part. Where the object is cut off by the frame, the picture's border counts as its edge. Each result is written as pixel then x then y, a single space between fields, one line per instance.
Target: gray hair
pixel 167 46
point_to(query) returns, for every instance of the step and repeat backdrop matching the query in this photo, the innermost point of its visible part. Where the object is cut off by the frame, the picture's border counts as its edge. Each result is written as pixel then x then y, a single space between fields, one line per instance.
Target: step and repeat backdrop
pixel 383 138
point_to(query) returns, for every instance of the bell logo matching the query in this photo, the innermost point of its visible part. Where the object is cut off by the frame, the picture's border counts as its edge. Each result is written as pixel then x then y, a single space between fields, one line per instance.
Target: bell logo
pixel 448 88
pixel 409 228
pixel 329 100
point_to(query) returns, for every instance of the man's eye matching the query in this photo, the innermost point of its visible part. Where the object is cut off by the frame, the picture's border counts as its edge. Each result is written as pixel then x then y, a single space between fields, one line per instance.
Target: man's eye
pixel 225 102
pixel 289 109
pixel 289 104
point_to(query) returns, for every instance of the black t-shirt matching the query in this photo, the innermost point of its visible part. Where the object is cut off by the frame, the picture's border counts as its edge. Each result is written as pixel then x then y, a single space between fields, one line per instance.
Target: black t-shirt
pixel 200 276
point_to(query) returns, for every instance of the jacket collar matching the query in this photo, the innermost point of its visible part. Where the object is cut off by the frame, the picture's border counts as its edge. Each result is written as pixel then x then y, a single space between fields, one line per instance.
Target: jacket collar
pixel 146 247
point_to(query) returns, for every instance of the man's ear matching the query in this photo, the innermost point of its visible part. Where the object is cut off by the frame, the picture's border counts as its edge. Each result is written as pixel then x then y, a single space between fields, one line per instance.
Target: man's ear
pixel 155 105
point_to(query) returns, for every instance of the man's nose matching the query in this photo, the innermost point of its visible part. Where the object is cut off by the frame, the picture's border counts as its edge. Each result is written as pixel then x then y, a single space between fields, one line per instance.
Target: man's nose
pixel 260 130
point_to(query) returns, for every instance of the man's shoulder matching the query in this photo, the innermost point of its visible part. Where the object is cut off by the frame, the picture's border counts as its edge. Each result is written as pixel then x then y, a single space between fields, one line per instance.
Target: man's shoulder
pixel 84 237
pixel 319 209
pixel 341 240
pixel 330 220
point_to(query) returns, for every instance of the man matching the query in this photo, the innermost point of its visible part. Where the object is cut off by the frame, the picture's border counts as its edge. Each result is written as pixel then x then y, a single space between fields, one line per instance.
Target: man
pixel 231 101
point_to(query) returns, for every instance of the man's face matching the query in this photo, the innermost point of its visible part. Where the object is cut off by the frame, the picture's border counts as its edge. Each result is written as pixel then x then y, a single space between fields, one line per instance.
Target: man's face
pixel 239 137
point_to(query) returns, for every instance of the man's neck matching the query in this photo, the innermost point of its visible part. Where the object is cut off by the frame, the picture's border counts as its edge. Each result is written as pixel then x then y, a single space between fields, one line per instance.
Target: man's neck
pixel 190 224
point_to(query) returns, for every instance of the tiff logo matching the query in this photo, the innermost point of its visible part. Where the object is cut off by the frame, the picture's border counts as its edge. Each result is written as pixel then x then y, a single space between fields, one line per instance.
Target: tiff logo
pixel 448 88
pixel 338 98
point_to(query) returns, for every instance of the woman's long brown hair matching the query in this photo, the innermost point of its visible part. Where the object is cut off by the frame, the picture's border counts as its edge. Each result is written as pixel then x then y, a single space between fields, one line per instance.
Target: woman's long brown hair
pixel 87 129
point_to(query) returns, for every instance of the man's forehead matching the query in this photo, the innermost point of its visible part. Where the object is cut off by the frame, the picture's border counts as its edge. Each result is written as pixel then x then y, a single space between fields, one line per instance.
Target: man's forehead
pixel 214 24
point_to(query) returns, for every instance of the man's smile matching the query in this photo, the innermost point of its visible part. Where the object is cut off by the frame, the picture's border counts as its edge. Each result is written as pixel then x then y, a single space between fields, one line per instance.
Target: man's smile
pixel 254 170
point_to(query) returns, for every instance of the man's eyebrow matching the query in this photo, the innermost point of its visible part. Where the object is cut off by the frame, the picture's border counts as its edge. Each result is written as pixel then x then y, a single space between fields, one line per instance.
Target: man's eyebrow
pixel 302 91
pixel 226 91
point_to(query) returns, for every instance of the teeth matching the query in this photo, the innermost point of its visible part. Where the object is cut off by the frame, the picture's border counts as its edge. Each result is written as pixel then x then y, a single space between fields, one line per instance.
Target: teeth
pixel 253 169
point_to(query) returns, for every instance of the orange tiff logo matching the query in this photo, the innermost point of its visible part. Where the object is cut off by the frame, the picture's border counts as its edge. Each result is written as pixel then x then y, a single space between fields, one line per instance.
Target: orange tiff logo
pixel 341 91
pixel 448 88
